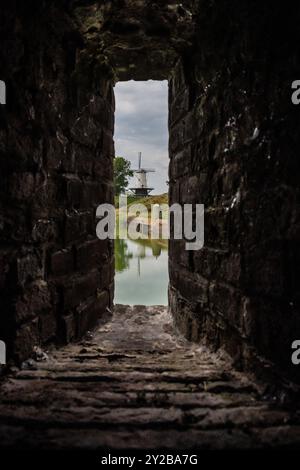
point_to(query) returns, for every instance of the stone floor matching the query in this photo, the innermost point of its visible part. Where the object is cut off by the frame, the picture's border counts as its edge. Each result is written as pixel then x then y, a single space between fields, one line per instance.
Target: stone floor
pixel 134 383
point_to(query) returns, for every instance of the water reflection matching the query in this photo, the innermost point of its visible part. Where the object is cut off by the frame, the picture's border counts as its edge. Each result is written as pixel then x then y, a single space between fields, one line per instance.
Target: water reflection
pixel 141 272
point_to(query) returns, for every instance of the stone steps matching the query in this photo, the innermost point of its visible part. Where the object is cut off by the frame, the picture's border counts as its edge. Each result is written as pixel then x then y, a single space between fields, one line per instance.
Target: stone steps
pixel 105 392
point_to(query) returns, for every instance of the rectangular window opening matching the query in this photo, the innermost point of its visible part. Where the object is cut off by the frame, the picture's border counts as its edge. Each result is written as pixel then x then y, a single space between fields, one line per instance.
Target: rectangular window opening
pixel 141 144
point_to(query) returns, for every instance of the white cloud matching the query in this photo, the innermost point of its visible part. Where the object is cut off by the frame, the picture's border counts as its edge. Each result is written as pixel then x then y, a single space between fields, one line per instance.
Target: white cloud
pixel 142 126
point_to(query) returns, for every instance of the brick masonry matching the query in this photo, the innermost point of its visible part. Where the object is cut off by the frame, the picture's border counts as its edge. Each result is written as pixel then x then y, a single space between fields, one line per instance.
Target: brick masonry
pixel 56 149
pixel 233 146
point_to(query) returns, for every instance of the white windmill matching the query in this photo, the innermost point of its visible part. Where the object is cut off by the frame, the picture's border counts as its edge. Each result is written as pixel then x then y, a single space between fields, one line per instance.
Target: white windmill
pixel 141 188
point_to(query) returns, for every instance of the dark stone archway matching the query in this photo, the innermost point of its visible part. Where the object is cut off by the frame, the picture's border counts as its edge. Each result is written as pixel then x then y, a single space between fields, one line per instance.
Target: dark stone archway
pixel 233 147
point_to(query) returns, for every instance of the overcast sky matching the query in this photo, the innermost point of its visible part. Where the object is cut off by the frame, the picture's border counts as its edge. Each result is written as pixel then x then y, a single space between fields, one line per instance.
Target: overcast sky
pixel 142 126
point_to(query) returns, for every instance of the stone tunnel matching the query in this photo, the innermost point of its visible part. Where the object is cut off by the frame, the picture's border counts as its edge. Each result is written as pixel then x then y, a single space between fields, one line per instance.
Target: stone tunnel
pixel 233 147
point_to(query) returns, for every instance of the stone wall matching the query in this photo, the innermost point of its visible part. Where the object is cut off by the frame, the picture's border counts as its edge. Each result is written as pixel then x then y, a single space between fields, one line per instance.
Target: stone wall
pixel 234 146
pixel 56 148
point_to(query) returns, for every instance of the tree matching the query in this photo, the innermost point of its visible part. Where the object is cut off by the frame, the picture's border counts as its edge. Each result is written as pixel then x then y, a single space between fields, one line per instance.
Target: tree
pixel 122 173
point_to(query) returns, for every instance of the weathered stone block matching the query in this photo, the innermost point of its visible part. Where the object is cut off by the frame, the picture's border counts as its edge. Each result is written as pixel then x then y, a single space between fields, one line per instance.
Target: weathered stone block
pixel 90 254
pixel 47 327
pixel 218 264
pixel 107 273
pixel 80 288
pixel 83 159
pixel 191 286
pixel 222 227
pixel 62 262
pixel 103 169
pixel 180 163
pixel 26 338
pixel 179 106
pixel 29 268
pixel 78 225
pixel 178 253
pixel 108 148
pixel 4 267
pixel 272 326
pixel 48 200
pixel 45 231
pixel 190 190
pixel 67 328
pixel 59 156
pixel 74 190
pixel 35 300
pixel 178 81
pixel 92 311
pixel 21 186
pixel 93 192
pixel 85 130
pixel 226 301
pixel 265 270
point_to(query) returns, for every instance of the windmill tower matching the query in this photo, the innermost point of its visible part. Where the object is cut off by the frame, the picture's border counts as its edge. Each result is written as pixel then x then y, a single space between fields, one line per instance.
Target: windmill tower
pixel 141 189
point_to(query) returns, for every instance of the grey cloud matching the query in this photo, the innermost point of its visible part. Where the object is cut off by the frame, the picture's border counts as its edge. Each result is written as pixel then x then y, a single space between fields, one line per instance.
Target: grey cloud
pixel 142 125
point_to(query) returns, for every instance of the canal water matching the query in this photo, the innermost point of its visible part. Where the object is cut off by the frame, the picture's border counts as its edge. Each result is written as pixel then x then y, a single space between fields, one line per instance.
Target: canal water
pixel 141 272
